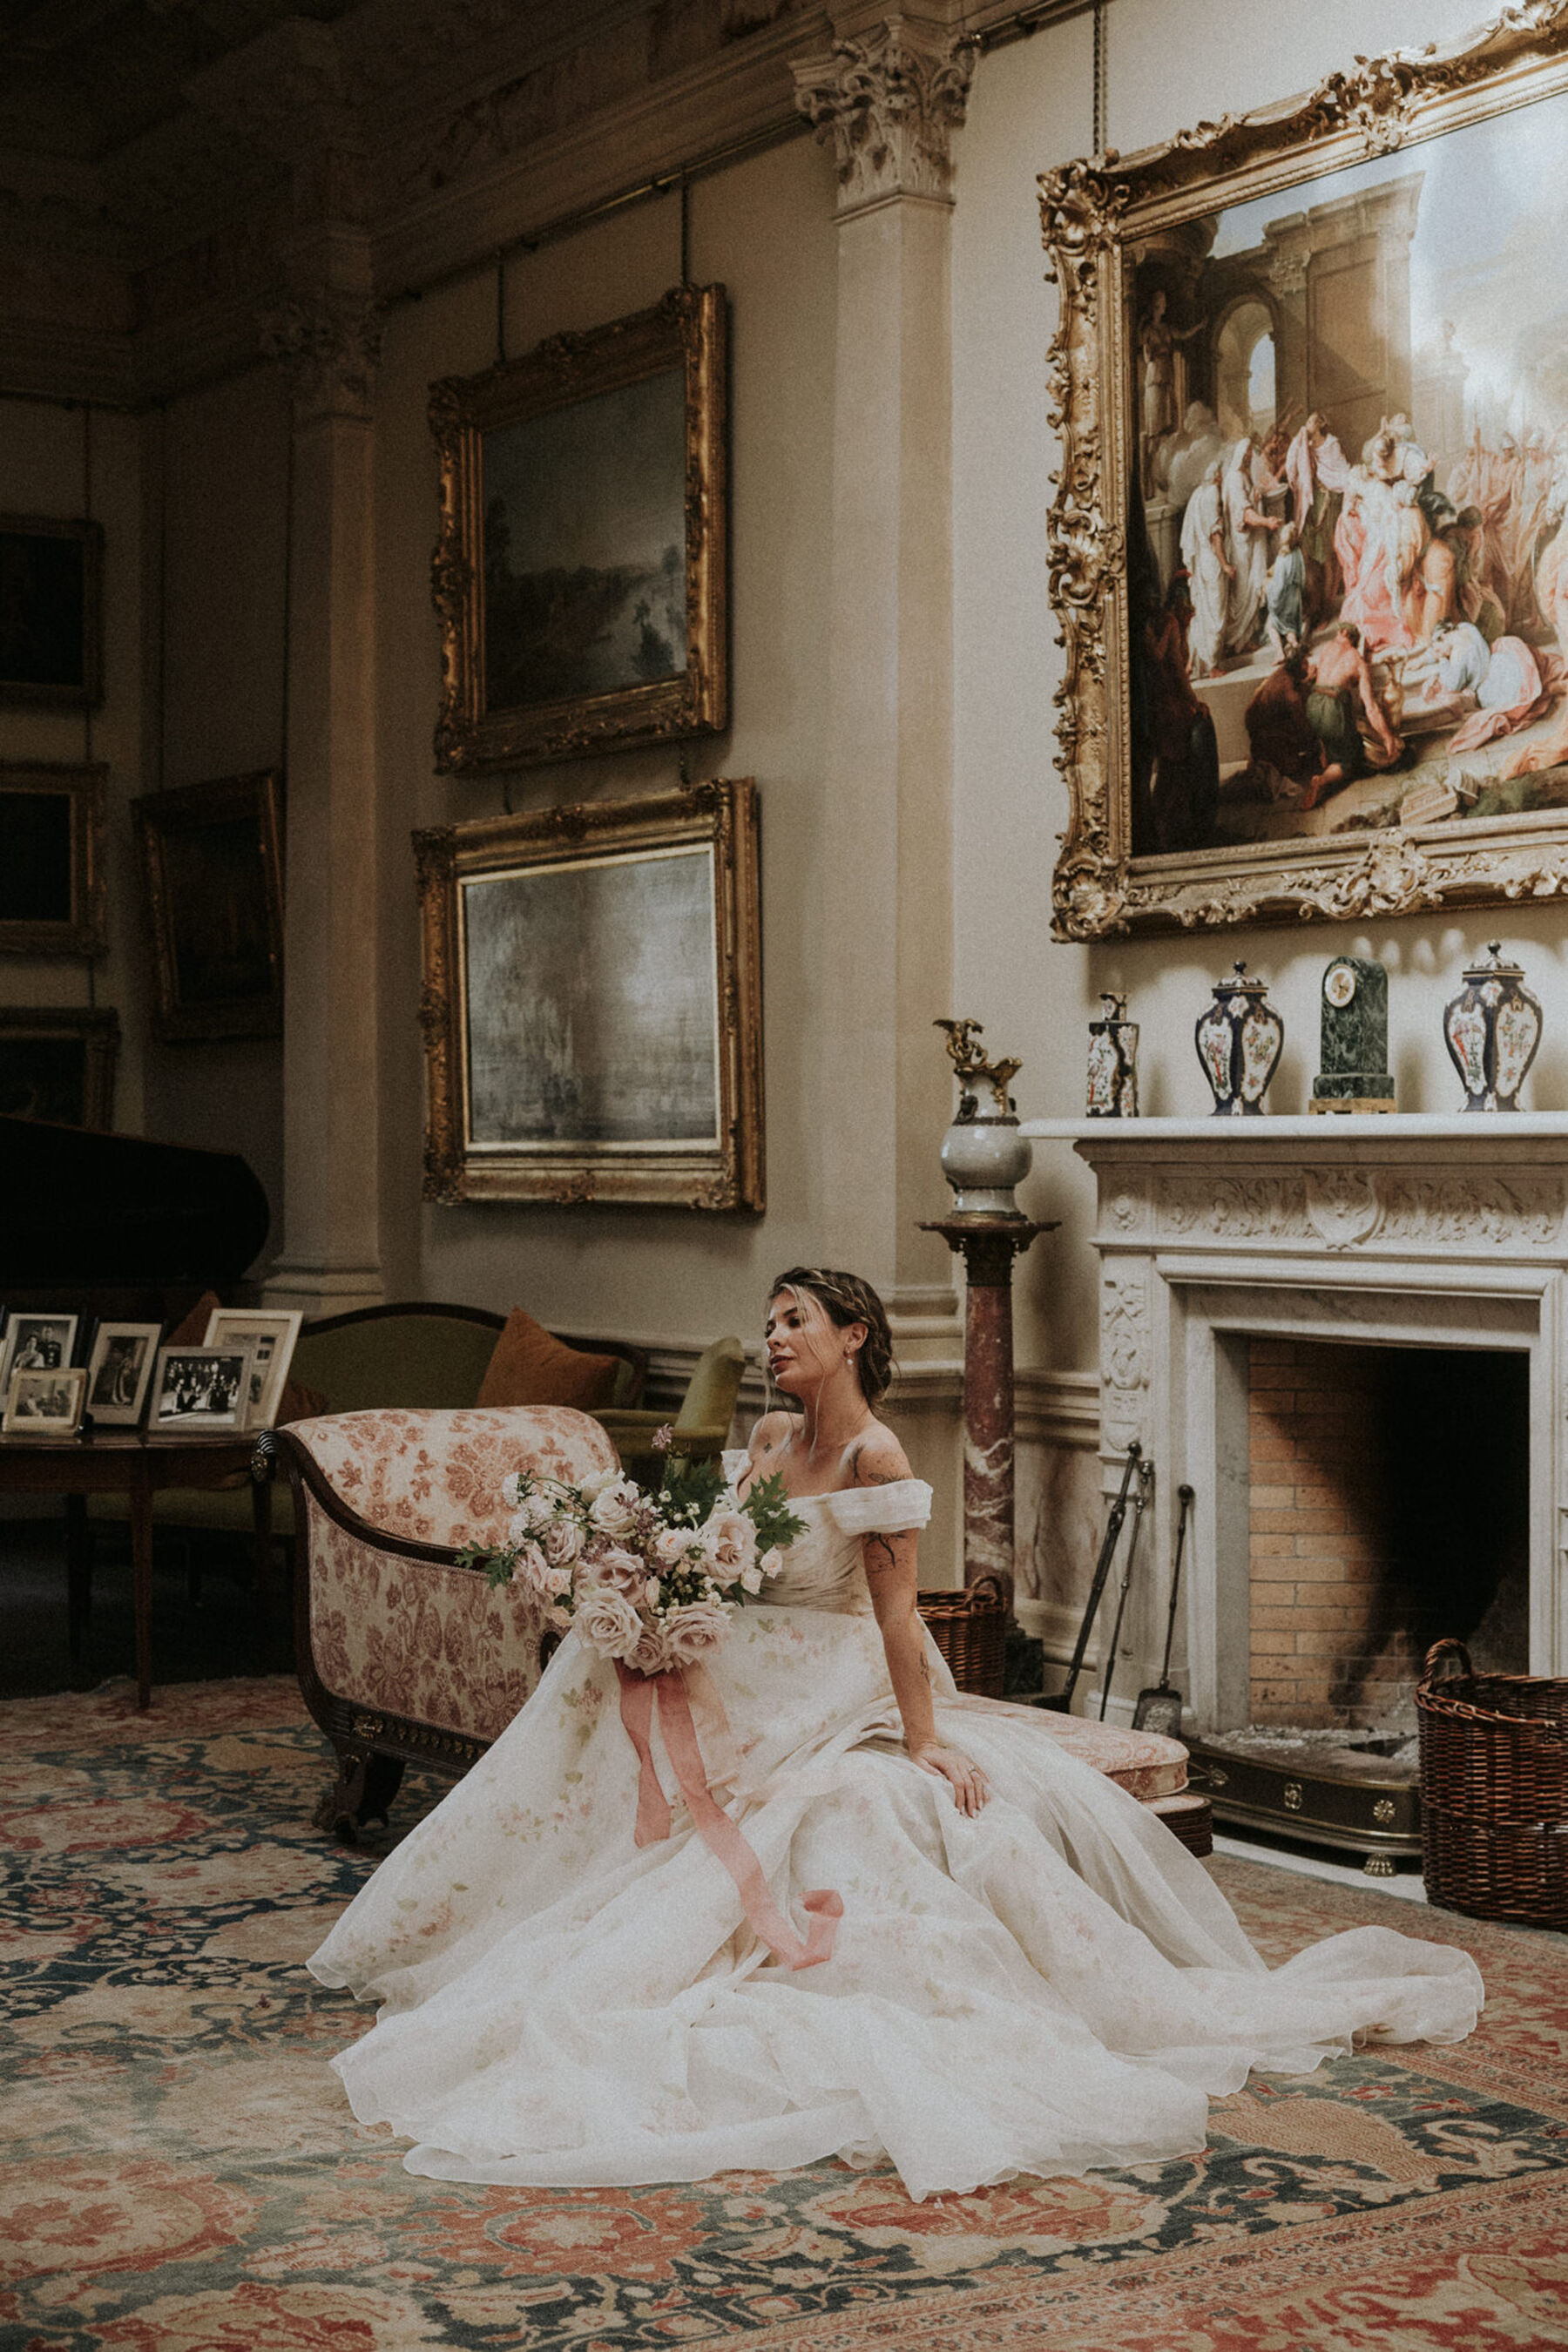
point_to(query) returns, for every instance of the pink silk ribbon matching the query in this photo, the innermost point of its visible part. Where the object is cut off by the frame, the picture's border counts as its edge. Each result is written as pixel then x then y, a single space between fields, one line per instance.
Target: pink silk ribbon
pixel 717 1830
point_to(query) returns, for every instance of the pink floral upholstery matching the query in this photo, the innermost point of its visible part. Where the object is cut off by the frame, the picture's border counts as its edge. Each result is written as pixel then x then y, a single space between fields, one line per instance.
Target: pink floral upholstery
pixel 436 1476
pixel 419 1637
pixel 1144 1763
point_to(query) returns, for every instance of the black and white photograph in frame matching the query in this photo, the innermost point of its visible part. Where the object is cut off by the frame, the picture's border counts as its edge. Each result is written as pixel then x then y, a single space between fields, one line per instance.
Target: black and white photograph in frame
pixel 196 1389
pixel 45 1404
pixel 118 1371
pixel 35 1343
pixel 272 1337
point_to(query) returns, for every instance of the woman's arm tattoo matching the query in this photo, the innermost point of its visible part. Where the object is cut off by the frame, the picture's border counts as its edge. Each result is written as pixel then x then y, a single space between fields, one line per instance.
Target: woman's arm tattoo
pixel 880 1553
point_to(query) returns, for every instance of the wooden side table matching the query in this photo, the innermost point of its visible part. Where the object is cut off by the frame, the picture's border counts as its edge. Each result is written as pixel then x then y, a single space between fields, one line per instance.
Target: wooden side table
pixel 128 1462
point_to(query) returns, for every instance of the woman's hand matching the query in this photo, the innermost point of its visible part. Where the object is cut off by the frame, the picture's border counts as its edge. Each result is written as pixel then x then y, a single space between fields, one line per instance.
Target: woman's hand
pixel 970 1786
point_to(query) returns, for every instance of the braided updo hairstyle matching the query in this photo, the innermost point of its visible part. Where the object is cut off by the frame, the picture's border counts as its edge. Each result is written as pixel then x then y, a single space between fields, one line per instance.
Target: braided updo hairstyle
pixel 844 1298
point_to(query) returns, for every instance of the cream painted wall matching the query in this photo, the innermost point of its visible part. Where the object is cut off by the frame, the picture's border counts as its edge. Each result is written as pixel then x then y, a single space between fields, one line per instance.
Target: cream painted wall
pixel 1030 109
pixel 764 230
pixel 43 471
pixel 217 472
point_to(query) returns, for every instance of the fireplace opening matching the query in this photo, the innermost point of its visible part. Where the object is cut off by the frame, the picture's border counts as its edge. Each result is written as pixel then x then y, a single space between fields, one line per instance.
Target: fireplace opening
pixel 1389 1507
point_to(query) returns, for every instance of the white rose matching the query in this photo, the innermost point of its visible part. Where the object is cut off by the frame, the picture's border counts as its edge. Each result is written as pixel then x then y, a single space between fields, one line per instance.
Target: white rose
pixel 534 1570
pixel 671 1545
pixel 651 1591
pixel 693 1631
pixel 618 1570
pixel 558 1581
pixel 561 1541
pixel 614 1512
pixel 593 1485
pixel 509 1488
pixel 730 1542
pixel 770 1562
pixel 607 1622
pixel 752 1578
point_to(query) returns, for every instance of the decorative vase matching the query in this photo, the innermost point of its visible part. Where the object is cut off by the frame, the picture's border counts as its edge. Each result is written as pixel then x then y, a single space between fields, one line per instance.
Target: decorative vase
pixel 1239 1041
pixel 1113 1061
pixel 983 1156
pixel 1492 1029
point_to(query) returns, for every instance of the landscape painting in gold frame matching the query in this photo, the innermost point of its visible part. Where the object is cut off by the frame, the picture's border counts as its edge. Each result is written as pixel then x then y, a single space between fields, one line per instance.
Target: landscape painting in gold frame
pixel 580 575
pixel 1309 547
pixel 593 1003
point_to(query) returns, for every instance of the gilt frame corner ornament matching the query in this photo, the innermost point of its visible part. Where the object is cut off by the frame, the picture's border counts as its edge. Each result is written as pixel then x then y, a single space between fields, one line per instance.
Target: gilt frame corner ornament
pixel 1131 243
pixel 578 684
pixel 623 1073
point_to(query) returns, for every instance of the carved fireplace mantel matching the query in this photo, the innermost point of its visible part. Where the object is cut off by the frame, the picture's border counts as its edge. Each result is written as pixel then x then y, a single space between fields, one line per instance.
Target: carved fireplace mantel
pixel 1423 1231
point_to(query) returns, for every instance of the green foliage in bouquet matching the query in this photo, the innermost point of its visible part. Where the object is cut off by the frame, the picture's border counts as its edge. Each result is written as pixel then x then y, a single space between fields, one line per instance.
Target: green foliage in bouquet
pixel 686 1495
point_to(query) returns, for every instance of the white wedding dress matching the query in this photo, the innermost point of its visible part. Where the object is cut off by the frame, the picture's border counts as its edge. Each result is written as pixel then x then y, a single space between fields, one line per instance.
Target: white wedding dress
pixel 1052 1985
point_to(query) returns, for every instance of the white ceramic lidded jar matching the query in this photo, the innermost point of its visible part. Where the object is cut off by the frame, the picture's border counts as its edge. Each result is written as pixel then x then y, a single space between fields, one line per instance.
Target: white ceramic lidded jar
pixel 1492 1029
pixel 1240 1040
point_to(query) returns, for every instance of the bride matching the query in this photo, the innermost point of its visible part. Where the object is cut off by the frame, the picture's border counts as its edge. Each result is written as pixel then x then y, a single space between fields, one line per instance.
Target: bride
pixel 1024 1971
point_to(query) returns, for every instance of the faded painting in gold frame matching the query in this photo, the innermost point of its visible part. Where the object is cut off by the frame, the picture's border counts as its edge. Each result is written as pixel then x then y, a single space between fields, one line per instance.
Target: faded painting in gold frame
pixel 591 1003
pixel 1248 317
pixel 212 875
pixel 580 576
pixel 52 895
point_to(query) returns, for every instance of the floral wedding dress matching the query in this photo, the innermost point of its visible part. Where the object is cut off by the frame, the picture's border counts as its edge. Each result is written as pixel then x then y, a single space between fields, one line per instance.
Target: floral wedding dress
pixel 1052 1985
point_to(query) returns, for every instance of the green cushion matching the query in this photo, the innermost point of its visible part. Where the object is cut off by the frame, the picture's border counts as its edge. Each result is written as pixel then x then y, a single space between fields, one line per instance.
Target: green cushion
pixel 415 1361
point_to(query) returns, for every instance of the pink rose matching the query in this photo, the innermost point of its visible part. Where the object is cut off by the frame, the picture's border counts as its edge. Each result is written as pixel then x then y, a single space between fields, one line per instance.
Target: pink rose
pixel 651 1656
pixel 607 1622
pixel 730 1542
pixel 535 1572
pixel 693 1631
pixel 561 1541
pixel 617 1570
pixel 614 1512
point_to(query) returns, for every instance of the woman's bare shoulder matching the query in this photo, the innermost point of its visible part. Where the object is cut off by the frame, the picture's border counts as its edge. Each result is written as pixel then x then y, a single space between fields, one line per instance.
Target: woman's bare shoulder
pixel 769 1434
pixel 878 1460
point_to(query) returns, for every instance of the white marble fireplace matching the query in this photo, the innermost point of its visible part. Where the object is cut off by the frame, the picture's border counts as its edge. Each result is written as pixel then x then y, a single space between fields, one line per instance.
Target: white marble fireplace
pixel 1408 1232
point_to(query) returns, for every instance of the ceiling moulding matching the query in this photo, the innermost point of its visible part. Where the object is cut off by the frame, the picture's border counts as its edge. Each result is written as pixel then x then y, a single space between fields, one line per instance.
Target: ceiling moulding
pixel 745 89
pixel 50 361
pixel 412 63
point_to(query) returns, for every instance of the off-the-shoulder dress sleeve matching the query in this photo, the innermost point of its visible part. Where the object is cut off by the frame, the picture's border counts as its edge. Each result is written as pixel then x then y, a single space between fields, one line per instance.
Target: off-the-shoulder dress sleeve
pixel 892 1509
pixel 734 1462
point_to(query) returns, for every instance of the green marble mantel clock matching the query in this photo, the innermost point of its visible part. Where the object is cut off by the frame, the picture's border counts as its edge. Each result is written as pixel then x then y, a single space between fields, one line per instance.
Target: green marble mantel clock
pixel 1354 1075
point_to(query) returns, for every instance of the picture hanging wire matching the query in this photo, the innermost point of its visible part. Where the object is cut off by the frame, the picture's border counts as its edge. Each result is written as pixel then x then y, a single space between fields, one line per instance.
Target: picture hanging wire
pixel 685 232
pixel 288 595
pixel 1098 146
pixel 501 306
pixel 86 706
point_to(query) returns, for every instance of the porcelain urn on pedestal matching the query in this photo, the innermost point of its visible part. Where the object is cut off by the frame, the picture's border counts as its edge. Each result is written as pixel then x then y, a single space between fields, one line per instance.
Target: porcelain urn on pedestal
pixel 1492 1029
pixel 983 1157
pixel 1239 1041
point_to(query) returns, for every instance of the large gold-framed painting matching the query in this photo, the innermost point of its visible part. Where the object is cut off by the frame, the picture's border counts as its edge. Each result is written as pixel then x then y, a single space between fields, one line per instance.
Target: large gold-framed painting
pixel 580 575
pixel 1310 548
pixel 593 1003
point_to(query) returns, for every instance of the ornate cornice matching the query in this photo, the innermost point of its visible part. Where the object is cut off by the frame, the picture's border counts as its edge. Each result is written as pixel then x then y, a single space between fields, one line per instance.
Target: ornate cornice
pixel 890 104
pixel 328 346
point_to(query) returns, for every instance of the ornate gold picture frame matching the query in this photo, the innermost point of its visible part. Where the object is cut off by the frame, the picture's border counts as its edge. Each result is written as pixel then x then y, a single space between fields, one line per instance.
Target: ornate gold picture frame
pixel 580 574
pixel 593 1003
pixel 212 872
pixel 52 897
pixel 56 1062
pixel 1342 315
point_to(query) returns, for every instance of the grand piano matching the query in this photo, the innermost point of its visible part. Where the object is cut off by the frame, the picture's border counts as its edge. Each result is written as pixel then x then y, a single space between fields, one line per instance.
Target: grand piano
pixel 113 1225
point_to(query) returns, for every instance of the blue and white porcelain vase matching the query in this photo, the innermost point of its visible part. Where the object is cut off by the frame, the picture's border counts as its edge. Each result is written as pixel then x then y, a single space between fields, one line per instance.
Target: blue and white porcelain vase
pixel 1113 1060
pixel 1239 1039
pixel 1492 1029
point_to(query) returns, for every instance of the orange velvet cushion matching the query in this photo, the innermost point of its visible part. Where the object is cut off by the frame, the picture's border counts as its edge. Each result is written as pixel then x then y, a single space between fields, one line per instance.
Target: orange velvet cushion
pixel 531 1367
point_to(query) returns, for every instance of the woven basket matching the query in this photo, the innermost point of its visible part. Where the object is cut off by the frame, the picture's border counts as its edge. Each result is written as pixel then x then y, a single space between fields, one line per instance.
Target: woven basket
pixel 1494 1791
pixel 970 1629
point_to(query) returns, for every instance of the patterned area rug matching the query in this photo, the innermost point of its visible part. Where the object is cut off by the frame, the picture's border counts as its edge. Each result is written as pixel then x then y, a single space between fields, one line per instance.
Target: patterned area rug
pixel 182 2174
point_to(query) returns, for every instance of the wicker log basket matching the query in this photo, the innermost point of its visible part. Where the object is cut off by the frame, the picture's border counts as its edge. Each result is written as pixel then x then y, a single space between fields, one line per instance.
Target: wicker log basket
pixel 1494 1791
pixel 970 1628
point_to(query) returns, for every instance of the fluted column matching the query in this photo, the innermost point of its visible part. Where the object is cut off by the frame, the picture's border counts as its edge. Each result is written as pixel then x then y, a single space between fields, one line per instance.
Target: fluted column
pixel 886 102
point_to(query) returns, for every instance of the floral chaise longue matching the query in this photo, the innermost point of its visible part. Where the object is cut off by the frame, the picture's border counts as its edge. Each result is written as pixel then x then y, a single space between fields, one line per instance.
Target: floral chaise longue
pixel 407 1656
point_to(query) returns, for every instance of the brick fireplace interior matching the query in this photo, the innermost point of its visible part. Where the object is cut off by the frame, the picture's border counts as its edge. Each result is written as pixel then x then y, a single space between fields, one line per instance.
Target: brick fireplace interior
pixel 1389 1491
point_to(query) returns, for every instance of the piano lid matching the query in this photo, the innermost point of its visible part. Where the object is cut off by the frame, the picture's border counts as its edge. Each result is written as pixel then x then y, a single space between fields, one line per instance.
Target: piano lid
pixel 78 1207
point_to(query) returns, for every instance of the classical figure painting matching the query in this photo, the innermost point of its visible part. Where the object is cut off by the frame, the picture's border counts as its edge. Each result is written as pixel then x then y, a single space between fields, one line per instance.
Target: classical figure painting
pixel 593 1021
pixel 1311 543
pixel 51 631
pixel 580 574
pixel 212 870
pixel 56 1062
pixel 52 899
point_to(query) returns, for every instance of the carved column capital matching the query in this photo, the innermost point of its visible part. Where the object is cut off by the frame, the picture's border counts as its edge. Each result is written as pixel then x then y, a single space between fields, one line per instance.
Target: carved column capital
pixel 328 346
pixel 889 102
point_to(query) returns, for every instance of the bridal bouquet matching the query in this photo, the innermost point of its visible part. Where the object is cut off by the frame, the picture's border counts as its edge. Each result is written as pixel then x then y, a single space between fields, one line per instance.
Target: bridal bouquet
pixel 650 1579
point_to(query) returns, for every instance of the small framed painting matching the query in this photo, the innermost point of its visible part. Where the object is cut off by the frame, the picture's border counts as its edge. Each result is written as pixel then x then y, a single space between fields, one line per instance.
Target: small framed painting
pixel 56 1062
pixel 44 1404
pixel 51 608
pixel 272 1337
pixel 593 1003
pixel 580 574
pixel 36 1343
pixel 212 870
pixel 119 1370
pixel 51 859
pixel 196 1389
